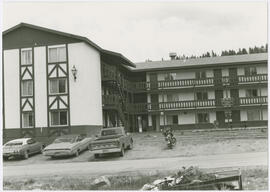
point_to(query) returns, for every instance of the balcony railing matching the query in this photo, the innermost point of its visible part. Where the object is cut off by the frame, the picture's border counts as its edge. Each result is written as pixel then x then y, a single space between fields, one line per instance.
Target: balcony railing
pixel 253 78
pixel 253 100
pixel 110 100
pixel 194 104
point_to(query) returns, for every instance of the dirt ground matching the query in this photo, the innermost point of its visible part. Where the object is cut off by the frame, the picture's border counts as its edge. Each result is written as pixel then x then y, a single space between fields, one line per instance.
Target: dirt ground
pixel 253 178
pixel 189 143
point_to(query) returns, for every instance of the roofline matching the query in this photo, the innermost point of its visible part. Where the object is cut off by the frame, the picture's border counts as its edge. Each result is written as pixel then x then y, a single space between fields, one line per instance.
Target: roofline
pixel 196 66
pixel 82 38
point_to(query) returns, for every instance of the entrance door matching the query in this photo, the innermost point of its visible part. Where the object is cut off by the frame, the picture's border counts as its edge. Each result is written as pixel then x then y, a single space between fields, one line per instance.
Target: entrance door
pixel 154 122
pixel 233 76
pixel 235 96
pixel 218 97
pixel 220 115
pixel 153 81
pixel 154 102
pixel 217 77
pixel 235 116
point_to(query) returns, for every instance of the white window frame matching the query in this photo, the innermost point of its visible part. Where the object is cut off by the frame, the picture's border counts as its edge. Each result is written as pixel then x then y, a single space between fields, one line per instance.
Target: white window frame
pixel 31 58
pixel 27 113
pixel 55 47
pixel 22 83
pixel 57 79
pixel 58 111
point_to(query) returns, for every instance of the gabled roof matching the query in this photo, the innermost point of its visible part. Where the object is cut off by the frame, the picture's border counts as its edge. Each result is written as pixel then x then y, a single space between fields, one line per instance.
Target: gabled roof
pixel 123 59
pixel 201 62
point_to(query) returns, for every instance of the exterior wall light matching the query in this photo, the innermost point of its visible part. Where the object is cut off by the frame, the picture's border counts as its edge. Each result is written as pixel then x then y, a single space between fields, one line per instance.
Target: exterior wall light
pixel 74 72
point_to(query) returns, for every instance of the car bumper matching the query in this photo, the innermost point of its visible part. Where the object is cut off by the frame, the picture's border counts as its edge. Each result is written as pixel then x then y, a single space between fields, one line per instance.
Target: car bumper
pixel 7 155
pixel 104 151
pixel 57 153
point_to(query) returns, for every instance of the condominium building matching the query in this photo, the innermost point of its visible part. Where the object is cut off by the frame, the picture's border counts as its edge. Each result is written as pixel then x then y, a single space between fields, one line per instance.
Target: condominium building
pixel 58 83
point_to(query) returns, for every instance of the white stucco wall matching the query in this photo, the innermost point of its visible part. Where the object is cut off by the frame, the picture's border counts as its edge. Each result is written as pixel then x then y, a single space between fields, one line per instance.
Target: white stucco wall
pixel 12 88
pixel 209 73
pixel 262 69
pixel 265 114
pixel 85 92
pixel 40 87
pixel 225 72
pixel 243 115
pixel 188 118
pixel 240 71
pixel 212 116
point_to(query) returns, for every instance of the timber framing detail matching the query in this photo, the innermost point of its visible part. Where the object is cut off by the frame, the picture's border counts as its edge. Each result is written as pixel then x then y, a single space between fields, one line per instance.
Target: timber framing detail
pixel 27 101
pixel 57 102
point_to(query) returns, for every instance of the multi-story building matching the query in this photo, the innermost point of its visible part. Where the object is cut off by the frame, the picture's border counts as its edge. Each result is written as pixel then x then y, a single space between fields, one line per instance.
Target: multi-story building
pixel 56 83
pixel 228 91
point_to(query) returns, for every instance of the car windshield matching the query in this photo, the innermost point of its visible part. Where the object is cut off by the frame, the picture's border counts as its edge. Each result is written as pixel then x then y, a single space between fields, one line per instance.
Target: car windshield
pixel 14 143
pixel 111 132
pixel 65 140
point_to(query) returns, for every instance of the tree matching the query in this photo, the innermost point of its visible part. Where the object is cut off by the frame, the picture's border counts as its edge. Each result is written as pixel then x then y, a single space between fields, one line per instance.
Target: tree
pixel 244 51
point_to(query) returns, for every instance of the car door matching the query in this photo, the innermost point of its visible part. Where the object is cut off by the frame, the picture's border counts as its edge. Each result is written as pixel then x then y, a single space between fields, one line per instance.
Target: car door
pixel 30 146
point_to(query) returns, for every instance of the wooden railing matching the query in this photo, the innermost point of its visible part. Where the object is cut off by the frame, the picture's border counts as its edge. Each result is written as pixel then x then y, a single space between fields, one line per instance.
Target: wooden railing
pixel 145 107
pixel 253 100
pixel 253 78
pixel 110 99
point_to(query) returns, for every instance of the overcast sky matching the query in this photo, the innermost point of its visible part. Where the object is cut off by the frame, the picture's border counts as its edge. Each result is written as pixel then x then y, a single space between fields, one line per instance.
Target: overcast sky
pixel 150 30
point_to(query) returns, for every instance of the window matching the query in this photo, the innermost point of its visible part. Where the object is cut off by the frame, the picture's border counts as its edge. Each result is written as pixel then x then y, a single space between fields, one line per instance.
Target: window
pixel 27 88
pixel 57 54
pixel 253 115
pixel 31 141
pixel 28 120
pixel 57 86
pixel 203 117
pixel 251 93
pixel 170 76
pixel 250 71
pixel 200 75
pixel 202 96
pixel 26 57
pixel 59 118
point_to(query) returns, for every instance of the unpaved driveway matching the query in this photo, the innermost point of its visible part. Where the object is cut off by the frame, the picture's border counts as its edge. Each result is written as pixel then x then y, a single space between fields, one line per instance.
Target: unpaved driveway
pixel 112 167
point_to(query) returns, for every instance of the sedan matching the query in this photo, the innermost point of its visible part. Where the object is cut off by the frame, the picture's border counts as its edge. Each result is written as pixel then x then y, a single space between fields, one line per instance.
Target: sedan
pixel 67 145
pixel 21 148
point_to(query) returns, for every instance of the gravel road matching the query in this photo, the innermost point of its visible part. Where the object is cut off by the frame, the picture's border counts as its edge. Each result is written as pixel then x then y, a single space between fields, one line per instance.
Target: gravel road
pixel 112 167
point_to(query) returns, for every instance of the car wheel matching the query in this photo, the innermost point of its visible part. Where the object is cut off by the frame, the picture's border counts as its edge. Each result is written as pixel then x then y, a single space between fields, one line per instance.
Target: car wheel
pixel 77 153
pixel 89 147
pixel 5 158
pixel 122 153
pixel 25 155
pixel 130 145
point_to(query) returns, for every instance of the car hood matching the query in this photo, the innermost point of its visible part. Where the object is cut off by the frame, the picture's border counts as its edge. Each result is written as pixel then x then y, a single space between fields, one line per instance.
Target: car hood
pixel 108 137
pixel 60 146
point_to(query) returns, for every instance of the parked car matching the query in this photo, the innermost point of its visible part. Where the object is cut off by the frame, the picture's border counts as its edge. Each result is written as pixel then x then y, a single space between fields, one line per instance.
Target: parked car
pixel 112 140
pixel 21 148
pixel 67 145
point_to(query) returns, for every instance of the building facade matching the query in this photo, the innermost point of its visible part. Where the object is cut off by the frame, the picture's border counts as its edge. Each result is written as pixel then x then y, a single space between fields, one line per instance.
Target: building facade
pixel 57 83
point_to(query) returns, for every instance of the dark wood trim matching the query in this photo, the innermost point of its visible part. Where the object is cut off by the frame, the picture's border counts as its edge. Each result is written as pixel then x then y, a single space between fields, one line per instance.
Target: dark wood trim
pixel 3 94
pixel 47 85
pixel 68 98
pixel 20 91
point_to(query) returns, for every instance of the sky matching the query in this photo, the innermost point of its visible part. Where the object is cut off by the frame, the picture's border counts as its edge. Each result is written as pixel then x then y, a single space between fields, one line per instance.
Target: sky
pixel 150 30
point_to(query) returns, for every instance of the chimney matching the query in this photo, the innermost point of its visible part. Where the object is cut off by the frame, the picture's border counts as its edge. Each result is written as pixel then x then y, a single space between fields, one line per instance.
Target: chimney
pixel 172 55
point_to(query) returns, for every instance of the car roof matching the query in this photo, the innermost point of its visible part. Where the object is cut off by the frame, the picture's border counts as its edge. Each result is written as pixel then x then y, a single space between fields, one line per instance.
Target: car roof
pixel 23 140
pixel 69 136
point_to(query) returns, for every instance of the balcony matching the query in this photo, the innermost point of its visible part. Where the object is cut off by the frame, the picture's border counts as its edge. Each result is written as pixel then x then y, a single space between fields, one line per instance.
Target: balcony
pixel 253 78
pixel 193 104
pixel 253 100
pixel 110 101
pixel 184 83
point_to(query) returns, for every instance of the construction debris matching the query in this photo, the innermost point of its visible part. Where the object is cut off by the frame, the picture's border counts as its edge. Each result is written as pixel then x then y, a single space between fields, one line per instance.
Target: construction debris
pixel 186 178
